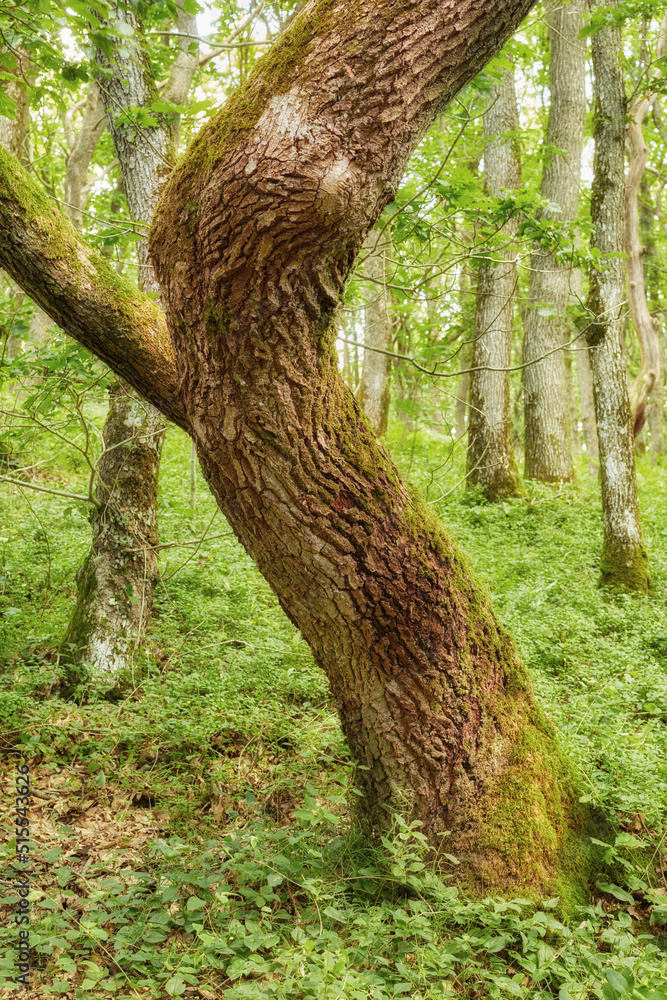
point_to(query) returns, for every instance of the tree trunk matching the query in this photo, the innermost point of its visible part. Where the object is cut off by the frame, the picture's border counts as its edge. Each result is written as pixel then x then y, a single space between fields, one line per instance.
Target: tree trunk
pixel 547 453
pixel 587 403
pixel 624 561
pixel 490 459
pixel 256 234
pixel 375 389
pixel 116 583
pixel 430 694
pixel 645 327
pixel 14 131
pixel 82 147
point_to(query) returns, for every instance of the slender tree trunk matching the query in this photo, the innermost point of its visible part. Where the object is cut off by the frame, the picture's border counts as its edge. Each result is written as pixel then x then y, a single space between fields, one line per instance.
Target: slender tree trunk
pixel 14 131
pixel 547 454
pixel 116 583
pixel 375 389
pixel 568 358
pixel 256 234
pixel 645 327
pixel 587 404
pixel 490 459
pixel 624 560
pixel 656 407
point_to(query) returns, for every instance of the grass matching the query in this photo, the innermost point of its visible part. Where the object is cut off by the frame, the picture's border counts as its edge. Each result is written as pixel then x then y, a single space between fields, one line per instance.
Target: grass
pixel 196 837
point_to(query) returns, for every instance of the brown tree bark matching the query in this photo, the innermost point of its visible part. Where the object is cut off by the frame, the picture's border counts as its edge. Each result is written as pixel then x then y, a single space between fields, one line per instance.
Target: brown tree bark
pixel 490 458
pixel 255 235
pixel 624 560
pixel 547 448
pixel 374 393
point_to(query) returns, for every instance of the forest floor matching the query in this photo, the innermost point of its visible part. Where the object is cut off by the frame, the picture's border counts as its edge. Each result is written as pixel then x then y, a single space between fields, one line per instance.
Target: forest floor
pixel 196 837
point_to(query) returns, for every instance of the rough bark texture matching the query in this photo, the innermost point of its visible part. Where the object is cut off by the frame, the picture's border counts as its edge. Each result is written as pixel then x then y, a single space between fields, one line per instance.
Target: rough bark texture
pixel 624 561
pixel 490 460
pixel 375 388
pixel 547 447
pixel 254 238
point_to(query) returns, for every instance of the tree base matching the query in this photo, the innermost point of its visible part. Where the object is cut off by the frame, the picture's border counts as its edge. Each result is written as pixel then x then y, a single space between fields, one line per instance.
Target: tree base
pixel 624 571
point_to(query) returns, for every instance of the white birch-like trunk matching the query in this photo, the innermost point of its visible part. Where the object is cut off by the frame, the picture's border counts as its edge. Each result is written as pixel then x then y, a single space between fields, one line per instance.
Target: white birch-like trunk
pixel 375 387
pixel 624 560
pixel 490 458
pixel 547 447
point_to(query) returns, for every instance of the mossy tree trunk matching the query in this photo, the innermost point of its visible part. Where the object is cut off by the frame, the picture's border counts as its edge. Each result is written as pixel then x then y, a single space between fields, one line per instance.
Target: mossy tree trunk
pixel 624 560
pixel 254 238
pixel 548 455
pixel 490 458
pixel 116 583
pixel 374 393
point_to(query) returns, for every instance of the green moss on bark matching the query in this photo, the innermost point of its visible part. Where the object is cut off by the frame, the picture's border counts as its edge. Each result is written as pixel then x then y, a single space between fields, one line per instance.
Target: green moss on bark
pixel 623 571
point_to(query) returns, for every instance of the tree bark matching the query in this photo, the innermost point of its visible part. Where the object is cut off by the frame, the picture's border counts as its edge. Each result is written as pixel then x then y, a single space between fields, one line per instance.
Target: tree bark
pixel 645 327
pixel 490 459
pixel 587 403
pixel 116 583
pixel 375 388
pixel 116 580
pixel 624 560
pixel 82 148
pixel 14 131
pixel 547 451
pixel 255 236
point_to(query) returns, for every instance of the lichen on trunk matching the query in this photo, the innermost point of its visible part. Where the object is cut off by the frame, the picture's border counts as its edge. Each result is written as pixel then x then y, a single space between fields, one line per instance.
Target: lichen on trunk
pixel 116 581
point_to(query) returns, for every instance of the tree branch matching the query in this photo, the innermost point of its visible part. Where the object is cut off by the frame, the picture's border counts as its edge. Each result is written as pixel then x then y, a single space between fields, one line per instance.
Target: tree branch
pixel 82 293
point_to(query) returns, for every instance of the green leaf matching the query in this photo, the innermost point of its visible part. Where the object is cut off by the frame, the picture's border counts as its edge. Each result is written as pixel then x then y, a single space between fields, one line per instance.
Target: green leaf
pixel 617 981
pixel 175 986
pixel 616 891
pixel 195 903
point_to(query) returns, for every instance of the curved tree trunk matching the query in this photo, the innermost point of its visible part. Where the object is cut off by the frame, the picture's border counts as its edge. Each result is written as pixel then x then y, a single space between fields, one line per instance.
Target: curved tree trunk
pixel 624 561
pixel 547 452
pixel 254 238
pixel 490 460
pixel 116 583
pixel 374 393
pixel 430 694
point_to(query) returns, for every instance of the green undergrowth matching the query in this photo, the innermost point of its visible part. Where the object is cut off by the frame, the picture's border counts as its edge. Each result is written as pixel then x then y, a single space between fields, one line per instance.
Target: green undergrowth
pixel 248 877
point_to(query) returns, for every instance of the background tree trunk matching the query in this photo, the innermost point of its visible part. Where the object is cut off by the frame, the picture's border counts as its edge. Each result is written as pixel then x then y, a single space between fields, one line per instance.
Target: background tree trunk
pixel 624 560
pixel 374 393
pixel 490 459
pixel 547 446
pixel 116 583
pixel 645 327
